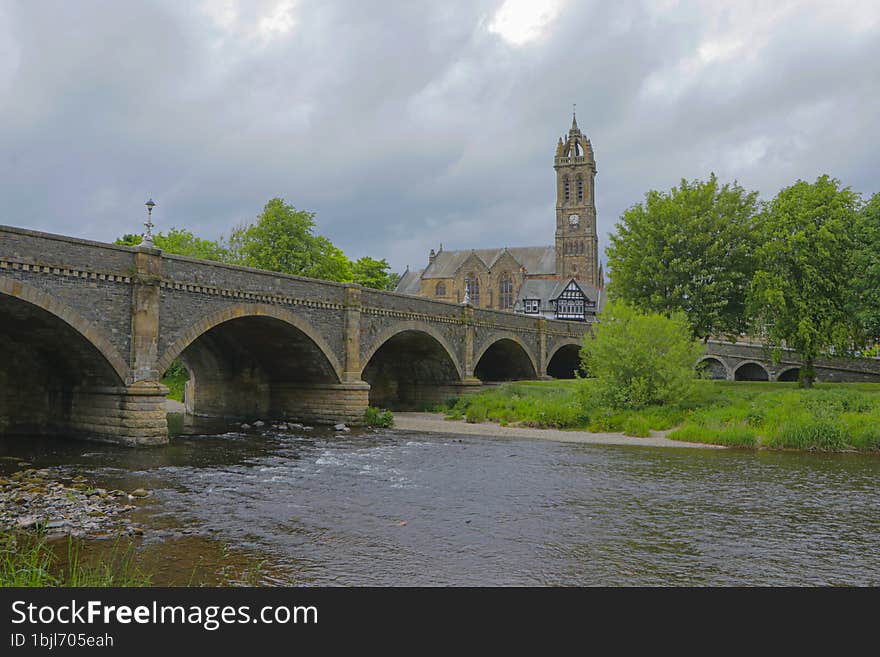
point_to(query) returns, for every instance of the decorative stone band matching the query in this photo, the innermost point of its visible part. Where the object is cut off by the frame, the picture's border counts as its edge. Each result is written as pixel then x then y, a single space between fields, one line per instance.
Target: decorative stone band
pixel 273 299
pixel 64 271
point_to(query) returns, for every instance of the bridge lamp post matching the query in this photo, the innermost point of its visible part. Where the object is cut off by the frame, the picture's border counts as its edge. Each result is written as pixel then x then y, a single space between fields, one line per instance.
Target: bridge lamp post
pixel 148 236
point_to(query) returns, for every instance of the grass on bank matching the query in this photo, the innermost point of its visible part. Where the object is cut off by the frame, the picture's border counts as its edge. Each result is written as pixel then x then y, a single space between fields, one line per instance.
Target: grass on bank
pixel 829 417
pixel 28 560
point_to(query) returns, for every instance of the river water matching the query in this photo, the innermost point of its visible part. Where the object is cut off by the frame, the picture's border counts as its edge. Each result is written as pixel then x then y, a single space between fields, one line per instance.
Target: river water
pixel 393 508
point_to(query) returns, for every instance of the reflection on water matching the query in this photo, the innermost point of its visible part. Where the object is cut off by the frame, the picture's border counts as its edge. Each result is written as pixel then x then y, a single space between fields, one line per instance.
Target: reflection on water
pixel 398 508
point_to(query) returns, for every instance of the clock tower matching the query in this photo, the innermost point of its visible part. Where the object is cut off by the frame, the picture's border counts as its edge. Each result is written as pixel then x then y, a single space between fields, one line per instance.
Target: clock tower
pixel 577 245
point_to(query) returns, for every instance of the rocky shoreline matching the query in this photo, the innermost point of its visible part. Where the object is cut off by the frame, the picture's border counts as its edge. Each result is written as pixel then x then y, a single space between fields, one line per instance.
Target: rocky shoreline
pixel 46 500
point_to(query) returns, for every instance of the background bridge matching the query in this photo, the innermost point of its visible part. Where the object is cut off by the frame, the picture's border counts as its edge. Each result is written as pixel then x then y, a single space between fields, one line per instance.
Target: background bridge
pixel 87 329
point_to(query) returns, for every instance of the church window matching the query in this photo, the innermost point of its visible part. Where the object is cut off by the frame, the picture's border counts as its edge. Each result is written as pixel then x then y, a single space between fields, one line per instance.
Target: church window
pixel 440 289
pixel 505 292
pixel 580 188
pixel 567 194
pixel 472 285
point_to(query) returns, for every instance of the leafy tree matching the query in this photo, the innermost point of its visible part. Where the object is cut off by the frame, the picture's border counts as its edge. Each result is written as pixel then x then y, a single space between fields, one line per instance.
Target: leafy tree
pixel 282 239
pixel 393 280
pixel 691 249
pixel 803 293
pixel 371 273
pixel 182 242
pixel 868 267
pixel 641 358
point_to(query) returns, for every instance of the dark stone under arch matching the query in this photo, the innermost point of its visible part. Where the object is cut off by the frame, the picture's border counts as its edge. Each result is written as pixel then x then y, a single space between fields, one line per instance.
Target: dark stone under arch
pixel 410 369
pixel 713 368
pixel 505 360
pixel 252 366
pixel 750 372
pixel 565 363
pixel 791 374
pixel 45 365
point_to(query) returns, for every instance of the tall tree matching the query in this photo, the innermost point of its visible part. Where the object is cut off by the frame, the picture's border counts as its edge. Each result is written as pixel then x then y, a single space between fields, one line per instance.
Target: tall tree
pixel 868 266
pixel 371 273
pixel 689 250
pixel 282 239
pixel 803 293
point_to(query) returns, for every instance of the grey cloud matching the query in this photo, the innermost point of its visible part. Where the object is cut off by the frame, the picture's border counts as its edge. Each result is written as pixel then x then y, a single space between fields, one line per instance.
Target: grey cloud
pixel 406 124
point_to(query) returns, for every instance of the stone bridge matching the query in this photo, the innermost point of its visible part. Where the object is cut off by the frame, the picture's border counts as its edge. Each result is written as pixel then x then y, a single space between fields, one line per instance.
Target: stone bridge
pixel 748 361
pixel 87 329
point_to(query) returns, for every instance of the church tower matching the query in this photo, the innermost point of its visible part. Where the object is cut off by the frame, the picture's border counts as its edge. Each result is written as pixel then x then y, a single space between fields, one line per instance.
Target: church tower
pixel 577 245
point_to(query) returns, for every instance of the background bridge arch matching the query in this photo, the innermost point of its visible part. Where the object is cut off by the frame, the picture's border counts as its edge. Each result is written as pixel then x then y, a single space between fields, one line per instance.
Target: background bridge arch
pixel 505 357
pixel 243 311
pixel 751 371
pixel 565 359
pixel 412 326
pixel 410 365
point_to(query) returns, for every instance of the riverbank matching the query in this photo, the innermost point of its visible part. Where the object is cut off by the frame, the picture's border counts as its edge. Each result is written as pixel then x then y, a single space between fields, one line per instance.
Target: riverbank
pixel 437 423
pixel 834 417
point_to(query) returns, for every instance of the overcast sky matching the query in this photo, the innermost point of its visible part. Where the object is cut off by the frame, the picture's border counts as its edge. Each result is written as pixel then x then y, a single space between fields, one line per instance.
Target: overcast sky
pixel 403 124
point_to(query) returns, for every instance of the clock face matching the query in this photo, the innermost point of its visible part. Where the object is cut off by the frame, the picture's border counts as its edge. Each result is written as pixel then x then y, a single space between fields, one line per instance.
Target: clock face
pixel 574 220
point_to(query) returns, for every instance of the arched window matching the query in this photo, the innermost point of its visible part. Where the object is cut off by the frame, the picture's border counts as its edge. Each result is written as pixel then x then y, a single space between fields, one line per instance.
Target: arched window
pixel 472 285
pixel 567 192
pixel 440 289
pixel 505 292
pixel 580 188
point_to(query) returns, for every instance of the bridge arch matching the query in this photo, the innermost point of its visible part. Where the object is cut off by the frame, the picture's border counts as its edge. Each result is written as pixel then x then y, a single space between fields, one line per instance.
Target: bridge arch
pixel 714 367
pixel 789 374
pixel 565 360
pixel 89 332
pixel 751 371
pixel 54 367
pixel 409 365
pixel 255 360
pixel 505 358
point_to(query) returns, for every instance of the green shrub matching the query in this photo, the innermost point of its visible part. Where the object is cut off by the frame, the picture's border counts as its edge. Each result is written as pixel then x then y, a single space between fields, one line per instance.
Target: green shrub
pixel 374 417
pixel 475 415
pixel 636 425
pixel 731 436
pixel 640 359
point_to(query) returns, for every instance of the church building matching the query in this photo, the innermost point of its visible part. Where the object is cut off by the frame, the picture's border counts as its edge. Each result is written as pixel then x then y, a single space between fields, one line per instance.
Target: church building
pixel 562 281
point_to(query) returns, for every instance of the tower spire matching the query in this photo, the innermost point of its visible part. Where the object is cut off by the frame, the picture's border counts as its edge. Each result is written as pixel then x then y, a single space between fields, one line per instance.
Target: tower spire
pixel 574 121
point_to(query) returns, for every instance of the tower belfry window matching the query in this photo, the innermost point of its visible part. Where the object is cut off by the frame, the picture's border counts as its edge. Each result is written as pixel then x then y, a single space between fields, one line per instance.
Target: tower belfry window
pixel 567 192
pixel 580 188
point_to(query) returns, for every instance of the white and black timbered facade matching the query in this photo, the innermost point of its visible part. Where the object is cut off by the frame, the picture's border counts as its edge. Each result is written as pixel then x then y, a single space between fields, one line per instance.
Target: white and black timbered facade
pixel 570 299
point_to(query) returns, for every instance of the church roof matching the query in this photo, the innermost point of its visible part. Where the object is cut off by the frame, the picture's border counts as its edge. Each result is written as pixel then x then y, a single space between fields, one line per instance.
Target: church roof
pixel 409 282
pixel 537 260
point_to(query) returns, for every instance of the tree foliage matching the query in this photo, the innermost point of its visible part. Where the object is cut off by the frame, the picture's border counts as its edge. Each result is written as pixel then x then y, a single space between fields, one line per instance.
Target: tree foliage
pixel 868 269
pixel 182 242
pixel 282 239
pixel 690 250
pixel 803 293
pixel 641 358
pixel 372 273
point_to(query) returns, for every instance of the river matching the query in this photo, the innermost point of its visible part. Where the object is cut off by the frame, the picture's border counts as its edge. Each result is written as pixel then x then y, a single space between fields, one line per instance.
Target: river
pixel 383 507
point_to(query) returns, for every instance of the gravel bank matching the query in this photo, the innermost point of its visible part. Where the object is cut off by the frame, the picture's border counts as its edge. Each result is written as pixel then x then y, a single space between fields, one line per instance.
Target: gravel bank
pixel 436 423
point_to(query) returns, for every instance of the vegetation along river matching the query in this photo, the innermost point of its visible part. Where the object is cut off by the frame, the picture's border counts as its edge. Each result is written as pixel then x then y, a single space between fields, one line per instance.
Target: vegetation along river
pixel 385 507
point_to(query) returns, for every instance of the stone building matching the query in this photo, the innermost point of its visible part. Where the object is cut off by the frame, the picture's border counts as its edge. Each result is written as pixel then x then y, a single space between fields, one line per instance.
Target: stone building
pixel 562 281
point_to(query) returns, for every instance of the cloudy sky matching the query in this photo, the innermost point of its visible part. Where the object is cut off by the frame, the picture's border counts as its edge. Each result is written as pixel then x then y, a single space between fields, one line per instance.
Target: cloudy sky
pixel 403 124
